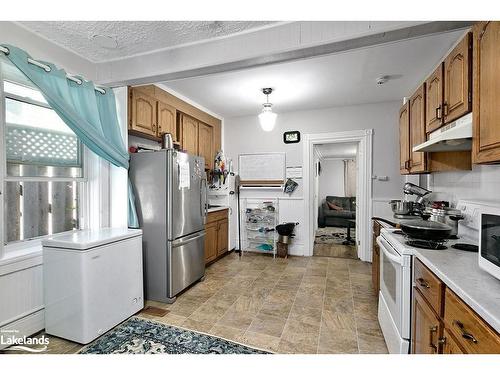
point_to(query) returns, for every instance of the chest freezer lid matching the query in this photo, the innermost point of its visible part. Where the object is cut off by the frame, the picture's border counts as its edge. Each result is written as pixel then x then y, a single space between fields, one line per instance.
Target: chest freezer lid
pixel 88 239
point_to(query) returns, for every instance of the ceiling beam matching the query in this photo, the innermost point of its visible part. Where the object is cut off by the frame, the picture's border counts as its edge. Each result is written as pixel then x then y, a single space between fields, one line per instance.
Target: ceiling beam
pixel 380 38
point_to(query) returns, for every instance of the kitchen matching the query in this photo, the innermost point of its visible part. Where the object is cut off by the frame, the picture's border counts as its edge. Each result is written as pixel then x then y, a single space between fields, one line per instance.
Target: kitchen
pixel 202 167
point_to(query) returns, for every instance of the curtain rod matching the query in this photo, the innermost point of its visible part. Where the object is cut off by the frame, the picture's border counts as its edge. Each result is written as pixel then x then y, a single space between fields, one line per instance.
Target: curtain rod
pixel 48 69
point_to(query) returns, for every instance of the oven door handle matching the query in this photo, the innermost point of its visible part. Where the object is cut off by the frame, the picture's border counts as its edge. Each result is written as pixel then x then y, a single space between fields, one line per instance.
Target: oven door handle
pixel 384 245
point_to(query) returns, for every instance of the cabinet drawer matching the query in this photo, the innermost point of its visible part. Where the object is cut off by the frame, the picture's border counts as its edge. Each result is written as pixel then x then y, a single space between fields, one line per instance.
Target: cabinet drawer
pixel 475 335
pixel 216 216
pixel 430 286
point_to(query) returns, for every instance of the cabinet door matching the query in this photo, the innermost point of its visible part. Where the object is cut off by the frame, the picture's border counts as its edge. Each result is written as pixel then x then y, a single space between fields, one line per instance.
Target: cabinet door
pixel 457 78
pixel 450 345
pixel 143 113
pixel 210 242
pixel 434 100
pixel 486 140
pixel 190 135
pixel 418 160
pixel 205 144
pixel 404 139
pixel 166 120
pixel 427 327
pixel 222 233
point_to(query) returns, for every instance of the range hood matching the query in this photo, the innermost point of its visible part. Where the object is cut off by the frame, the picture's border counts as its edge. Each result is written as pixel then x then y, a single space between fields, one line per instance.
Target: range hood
pixel 456 136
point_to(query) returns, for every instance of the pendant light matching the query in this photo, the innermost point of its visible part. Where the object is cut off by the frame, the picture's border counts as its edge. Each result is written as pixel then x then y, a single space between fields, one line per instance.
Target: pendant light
pixel 267 118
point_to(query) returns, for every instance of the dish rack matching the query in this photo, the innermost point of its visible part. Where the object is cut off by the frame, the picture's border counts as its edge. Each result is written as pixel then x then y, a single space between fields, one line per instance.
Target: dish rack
pixel 259 219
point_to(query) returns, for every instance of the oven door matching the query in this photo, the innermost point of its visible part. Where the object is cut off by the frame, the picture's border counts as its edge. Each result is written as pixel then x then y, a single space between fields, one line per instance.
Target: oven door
pixel 395 286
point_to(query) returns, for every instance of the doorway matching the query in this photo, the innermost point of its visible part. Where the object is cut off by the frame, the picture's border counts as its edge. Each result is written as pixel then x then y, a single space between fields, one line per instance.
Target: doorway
pixel 362 208
pixel 335 181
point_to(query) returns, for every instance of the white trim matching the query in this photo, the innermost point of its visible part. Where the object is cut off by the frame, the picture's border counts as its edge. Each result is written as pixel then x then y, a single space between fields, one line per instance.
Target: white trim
pixel 32 322
pixel 363 189
pixel 2 164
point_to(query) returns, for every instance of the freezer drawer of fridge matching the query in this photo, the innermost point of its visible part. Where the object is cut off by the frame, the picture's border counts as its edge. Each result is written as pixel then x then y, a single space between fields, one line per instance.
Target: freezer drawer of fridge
pixel 187 262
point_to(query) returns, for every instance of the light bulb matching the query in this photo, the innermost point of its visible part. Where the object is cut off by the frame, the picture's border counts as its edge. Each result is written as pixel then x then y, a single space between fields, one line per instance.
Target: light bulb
pixel 267 119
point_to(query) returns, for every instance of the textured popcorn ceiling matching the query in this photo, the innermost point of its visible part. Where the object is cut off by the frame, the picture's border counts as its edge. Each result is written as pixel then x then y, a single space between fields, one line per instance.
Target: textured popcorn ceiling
pixel 133 37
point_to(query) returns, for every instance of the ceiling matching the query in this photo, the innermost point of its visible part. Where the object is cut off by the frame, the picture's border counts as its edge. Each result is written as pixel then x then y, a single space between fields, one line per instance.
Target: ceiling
pixel 337 150
pixel 120 39
pixel 335 80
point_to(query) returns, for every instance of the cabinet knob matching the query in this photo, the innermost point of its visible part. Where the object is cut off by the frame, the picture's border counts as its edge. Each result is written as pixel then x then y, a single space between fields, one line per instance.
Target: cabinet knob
pixel 438 113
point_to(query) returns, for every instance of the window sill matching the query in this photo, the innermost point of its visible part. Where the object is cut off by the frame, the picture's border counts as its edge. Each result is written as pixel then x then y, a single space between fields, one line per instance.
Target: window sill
pixel 18 257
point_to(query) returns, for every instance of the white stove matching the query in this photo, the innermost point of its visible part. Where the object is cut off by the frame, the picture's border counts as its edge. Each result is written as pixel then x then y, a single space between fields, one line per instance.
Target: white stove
pixel 396 260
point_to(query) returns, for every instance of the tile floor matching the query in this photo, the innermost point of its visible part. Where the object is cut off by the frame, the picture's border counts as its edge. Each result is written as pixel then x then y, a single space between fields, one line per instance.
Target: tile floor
pixel 295 305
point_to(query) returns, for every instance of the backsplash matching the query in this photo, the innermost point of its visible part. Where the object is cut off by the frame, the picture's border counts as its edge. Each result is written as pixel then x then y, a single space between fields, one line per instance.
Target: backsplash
pixel 480 184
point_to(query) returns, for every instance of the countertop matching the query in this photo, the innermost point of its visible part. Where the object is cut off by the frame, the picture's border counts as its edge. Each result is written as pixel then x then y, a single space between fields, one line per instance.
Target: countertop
pixel 213 209
pixel 460 271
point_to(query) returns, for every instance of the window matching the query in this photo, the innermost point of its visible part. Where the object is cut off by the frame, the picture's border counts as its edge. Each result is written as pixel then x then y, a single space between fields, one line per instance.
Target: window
pixel 42 163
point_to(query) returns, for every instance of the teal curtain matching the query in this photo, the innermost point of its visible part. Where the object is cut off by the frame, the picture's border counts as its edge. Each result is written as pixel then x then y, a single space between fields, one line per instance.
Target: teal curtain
pixel 90 114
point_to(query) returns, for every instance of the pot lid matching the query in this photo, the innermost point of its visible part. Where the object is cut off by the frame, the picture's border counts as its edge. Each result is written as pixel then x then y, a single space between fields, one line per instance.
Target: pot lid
pixel 425 225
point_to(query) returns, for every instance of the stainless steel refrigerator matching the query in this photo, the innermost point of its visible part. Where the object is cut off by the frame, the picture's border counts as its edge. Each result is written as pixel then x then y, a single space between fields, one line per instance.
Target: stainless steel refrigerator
pixel 170 191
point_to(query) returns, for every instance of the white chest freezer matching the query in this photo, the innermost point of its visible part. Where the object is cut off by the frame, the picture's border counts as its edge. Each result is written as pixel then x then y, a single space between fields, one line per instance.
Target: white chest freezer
pixel 92 281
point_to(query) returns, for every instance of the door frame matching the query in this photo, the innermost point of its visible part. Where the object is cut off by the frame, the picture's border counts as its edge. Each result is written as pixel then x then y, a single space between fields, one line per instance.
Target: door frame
pixel 364 138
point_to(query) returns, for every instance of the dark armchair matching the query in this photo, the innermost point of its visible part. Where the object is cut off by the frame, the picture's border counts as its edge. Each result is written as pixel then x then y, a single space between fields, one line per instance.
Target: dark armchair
pixel 337 218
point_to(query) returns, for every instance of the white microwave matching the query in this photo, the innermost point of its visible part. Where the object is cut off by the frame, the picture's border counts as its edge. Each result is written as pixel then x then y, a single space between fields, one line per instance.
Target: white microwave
pixel 489 241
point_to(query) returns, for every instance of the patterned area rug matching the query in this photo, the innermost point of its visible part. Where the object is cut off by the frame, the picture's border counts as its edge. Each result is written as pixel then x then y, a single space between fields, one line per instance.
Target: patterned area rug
pixel 140 336
pixel 332 235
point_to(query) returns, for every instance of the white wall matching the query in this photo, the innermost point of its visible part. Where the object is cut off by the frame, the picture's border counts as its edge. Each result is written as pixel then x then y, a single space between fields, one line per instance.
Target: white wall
pixel 43 49
pixel 244 135
pixel 482 183
pixel 331 179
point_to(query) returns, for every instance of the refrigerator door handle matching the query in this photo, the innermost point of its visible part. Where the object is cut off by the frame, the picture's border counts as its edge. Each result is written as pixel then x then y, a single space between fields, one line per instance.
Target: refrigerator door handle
pixel 188 239
pixel 203 199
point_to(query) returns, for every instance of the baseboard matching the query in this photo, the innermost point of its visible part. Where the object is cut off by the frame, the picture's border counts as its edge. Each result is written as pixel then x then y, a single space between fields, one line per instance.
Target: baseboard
pixel 26 326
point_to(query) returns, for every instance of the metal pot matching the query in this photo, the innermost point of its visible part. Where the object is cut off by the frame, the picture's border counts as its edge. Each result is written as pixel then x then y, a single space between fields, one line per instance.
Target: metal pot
pixel 400 207
pixel 446 215
pixel 425 229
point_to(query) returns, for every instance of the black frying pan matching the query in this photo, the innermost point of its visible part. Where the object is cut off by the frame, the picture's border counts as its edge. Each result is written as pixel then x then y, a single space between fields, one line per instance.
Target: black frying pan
pixel 425 230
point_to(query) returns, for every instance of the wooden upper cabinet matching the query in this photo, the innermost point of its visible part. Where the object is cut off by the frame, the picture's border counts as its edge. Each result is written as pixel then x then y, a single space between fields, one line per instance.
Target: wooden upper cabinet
pixel 427 327
pixel 486 112
pixel 418 160
pixel 166 120
pixel 189 130
pixel 404 138
pixel 458 81
pixel 206 144
pixel 142 113
pixel 434 100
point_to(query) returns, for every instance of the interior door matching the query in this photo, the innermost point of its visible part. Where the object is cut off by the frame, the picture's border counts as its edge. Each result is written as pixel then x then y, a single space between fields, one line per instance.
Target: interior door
pixel 187 194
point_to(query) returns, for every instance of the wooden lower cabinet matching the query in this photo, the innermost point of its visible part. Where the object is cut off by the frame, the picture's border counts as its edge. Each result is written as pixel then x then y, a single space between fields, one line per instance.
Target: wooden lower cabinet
pixel 450 344
pixel 217 232
pixel 427 327
pixel 210 242
pixel 454 329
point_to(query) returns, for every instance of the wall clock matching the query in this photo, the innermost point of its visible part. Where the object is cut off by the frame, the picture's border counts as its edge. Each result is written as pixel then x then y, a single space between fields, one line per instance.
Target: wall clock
pixel 291 137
